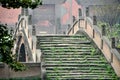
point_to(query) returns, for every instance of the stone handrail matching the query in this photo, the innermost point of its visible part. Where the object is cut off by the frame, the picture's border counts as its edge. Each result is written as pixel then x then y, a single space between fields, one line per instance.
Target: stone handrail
pixel 73 29
pixel 27 44
pixel 28 48
pixel 102 42
pixel 17 27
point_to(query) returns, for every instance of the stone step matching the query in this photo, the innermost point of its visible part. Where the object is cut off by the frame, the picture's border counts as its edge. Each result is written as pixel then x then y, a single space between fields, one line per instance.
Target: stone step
pixel 74 65
pixel 76 55
pixel 58 43
pixel 77 68
pixel 91 76
pixel 65 40
pixel 60 47
pixel 80 73
pixel 74 36
pixel 65 45
pixel 60 36
pixel 77 71
pixel 69 57
pixel 82 77
pixel 73 59
pixel 83 61
pixel 69 53
pixel 65 50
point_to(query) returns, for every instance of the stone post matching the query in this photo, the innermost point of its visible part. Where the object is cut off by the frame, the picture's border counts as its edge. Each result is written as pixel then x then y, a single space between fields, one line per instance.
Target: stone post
pixel 19 17
pixel 93 33
pixel 94 20
pixel 26 11
pixel 69 26
pixel 113 42
pixel 87 11
pixel 103 30
pixel 16 24
pixel 22 11
pixel 80 12
pixel 74 19
pixel 33 30
pixel 30 20
pixel 73 30
pixel 79 24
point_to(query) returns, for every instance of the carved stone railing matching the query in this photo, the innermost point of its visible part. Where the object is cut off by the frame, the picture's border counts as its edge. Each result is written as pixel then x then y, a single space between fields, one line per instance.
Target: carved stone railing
pixel 29 50
pixel 22 29
pixel 107 47
pixel 75 27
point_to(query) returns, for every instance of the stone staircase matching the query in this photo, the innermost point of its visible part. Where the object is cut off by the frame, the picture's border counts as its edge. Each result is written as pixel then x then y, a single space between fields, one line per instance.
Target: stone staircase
pixel 73 57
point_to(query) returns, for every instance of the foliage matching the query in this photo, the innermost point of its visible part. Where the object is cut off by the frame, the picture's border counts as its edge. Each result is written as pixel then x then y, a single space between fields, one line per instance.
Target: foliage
pixel 111 31
pixel 108 13
pixel 6 41
pixel 20 3
pixel 6 45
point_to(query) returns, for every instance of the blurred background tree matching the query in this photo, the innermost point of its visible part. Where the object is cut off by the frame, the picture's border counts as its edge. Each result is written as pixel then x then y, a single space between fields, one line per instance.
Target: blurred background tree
pixel 20 3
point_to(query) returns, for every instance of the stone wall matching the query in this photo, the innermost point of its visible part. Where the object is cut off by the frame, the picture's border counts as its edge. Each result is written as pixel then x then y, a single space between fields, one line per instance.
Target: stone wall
pixel 33 69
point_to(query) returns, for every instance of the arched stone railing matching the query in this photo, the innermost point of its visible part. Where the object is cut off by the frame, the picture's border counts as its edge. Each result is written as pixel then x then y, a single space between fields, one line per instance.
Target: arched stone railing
pixel 22 27
pixel 89 26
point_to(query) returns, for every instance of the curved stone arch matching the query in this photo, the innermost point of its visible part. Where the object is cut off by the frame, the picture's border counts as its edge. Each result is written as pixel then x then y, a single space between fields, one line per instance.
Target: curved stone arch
pixel 18 25
pixel 21 30
pixel 21 50
pixel 19 42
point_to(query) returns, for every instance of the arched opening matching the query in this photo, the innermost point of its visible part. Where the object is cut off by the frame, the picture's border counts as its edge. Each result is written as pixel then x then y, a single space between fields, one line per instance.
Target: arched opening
pixel 22 55
pixel 17 46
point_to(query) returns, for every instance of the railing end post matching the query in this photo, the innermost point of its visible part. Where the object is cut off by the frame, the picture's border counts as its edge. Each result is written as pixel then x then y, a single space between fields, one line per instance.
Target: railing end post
pixel 103 30
pixel 87 11
pixel 113 42
pixel 94 20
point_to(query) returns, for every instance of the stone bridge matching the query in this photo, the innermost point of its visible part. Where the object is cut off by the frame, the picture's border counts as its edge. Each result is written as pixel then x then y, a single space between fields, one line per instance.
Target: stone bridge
pixel 25 41
pixel 28 41
pixel 98 36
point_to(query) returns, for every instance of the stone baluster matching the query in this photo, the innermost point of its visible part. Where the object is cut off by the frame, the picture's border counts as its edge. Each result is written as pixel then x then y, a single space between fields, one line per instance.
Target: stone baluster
pixel 103 30
pixel 22 11
pixel 113 42
pixel 87 11
pixel 74 19
pixel 94 20
pixel 26 11
pixel 33 30
pixel 80 12
pixel 30 20
pixel 69 26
